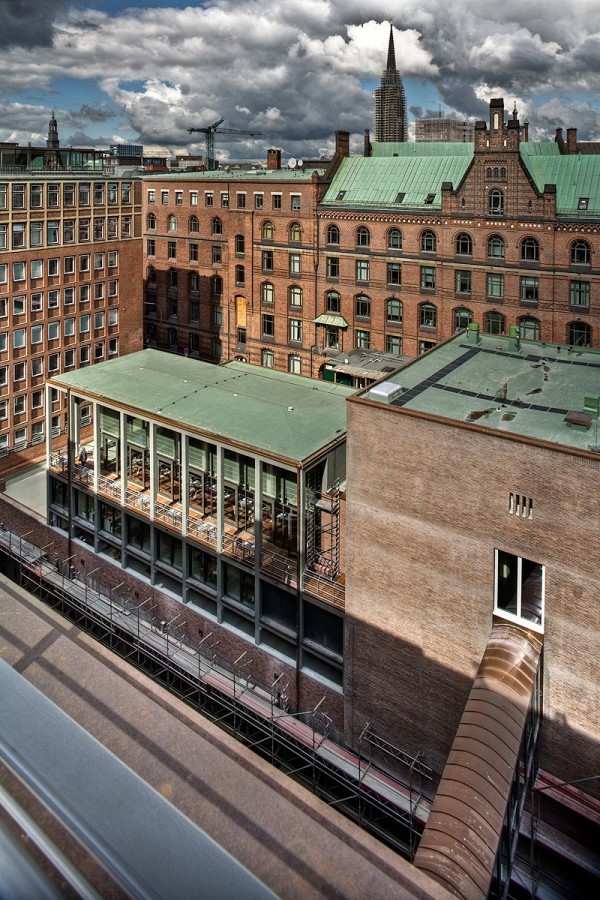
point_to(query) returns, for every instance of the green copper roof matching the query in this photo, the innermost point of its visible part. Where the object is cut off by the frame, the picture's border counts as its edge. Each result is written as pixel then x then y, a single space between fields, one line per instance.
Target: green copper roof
pixel 576 177
pixel 412 180
pixel 422 148
pixel 526 389
pixel 283 415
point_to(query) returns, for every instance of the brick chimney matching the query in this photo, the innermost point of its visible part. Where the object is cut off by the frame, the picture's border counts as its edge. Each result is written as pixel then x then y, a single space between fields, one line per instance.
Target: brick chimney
pixel 342 143
pixel 274 159
pixel 571 141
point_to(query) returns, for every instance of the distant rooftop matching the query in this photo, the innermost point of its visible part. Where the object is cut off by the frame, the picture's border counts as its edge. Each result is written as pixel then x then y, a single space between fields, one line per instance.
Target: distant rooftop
pixel 234 174
pixel 523 388
pixel 284 415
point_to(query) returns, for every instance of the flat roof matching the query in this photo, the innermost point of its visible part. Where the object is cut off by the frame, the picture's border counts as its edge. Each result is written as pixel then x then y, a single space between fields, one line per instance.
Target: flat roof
pixel 234 175
pixel 282 415
pixel 518 387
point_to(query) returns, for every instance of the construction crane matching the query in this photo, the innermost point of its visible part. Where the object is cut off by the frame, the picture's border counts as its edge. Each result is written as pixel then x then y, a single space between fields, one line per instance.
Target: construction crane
pixel 210 132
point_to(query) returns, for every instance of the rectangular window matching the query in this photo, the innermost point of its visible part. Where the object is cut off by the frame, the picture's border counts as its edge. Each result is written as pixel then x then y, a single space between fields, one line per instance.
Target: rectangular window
pixel 427 278
pixel 113 227
pixel 99 290
pixel 98 320
pixel 530 290
pixel 172 249
pixel 151 247
pixel 53 298
pixel 84 293
pixel 18 196
pixel 36 196
pixel 178 198
pixel 164 197
pixel 126 192
pixel 19 372
pixel 99 193
pixel 98 229
pixel 37 367
pixel 333 267
pixel 193 198
pixel 275 201
pixel 19 307
pixel 295 264
pixel 84 229
pixel 68 231
pixel 519 589
pixel 393 344
pixel 495 286
pixel 113 259
pixel 84 324
pixel 193 252
pixel 69 265
pixel 362 270
pixel 69 296
pixel 69 359
pixel 225 199
pixel 268 325
pixel 37 334
pixel 37 302
pixel 84 194
pixel 54 196
pixel 216 254
pixel 113 346
pixel 69 194
pixel 53 331
pixel 18 235
pixel 3 195
pixel 69 327
pixel 37 399
pixel 394 274
pixel 84 355
pixel 241 199
pixel 125 226
pixel 3 233
pixel 36 268
pixel 151 196
pixel 259 200
pixel 294 364
pixel 295 329
pixel 295 201
pixel 19 272
pixel 36 234
pixel 267 260
pixel 53 362
pixel 113 317
pixel 19 405
pixel 84 262
pixel 462 281
pixel 209 198
pixel 98 261
pixel 362 339
pixel 579 294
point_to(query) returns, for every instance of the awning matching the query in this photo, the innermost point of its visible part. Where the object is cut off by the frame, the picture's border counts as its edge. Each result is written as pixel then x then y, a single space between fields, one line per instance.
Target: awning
pixel 334 321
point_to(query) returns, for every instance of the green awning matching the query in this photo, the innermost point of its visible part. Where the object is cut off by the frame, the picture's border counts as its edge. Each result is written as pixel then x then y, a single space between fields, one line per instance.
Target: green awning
pixel 335 321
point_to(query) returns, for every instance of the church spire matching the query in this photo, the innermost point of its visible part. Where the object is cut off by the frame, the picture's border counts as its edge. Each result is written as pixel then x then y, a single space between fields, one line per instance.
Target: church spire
pixel 391 57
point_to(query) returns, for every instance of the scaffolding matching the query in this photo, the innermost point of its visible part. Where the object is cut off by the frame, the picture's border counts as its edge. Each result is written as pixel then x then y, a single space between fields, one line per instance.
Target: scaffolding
pixel 322 527
pixel 303 744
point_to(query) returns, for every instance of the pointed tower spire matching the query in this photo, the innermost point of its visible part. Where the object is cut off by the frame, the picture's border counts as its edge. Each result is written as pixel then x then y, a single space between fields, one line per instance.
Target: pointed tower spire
pixel 389 103
pixel 391 57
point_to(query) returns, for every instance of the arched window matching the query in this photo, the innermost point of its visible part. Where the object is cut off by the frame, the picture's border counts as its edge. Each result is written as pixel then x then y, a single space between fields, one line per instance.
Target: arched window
pixel 428 242
pixel 151 221
pixel 267 231
pixel 240 244
pixel 216 226
pixel 580 334
pixel 295 295
pixel 194 282
pixel 363 237
pixel 332 302
pixel 488 172
pixel 496 203
pixel 494 323
pixel 427 315
pixel 362 306
pixel 530 250
pixel 394 239
pixel 267 292
pixel 194 225
pixel 495 247
pixel 333 234
pixel 151 275
pixel 529 328
pixel 295 232
pixel 464 245
pixel 393 308
pixel 240 276
pixel 580 253
pixel 502 172
pixel 462 318
pixel 216 286
pixel 172 223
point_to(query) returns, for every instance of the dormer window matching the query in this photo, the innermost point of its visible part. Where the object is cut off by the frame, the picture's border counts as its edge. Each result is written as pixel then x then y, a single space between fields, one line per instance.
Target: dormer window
pixel 583 203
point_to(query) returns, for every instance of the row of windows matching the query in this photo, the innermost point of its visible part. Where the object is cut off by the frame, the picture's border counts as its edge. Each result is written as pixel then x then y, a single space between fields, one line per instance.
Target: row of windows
pixel 54 268
pixel 53 363
pixel 580 250
pixel 240 199
pixel 53 329
pixel 48 234
pixel 73 194
pixel 38 302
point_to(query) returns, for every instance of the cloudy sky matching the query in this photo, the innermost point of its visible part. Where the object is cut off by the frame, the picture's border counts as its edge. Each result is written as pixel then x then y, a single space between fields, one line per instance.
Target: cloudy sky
pixel 295 70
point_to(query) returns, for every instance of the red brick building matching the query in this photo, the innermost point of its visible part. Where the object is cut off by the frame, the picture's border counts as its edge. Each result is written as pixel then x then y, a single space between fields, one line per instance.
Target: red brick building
pixel 394 251
pixel 70 290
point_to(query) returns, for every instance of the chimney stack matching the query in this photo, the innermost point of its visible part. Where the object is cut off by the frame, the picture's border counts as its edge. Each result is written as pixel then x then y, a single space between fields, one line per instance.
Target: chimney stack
pixel 274 159
pixel 571 141
pixel 342 143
